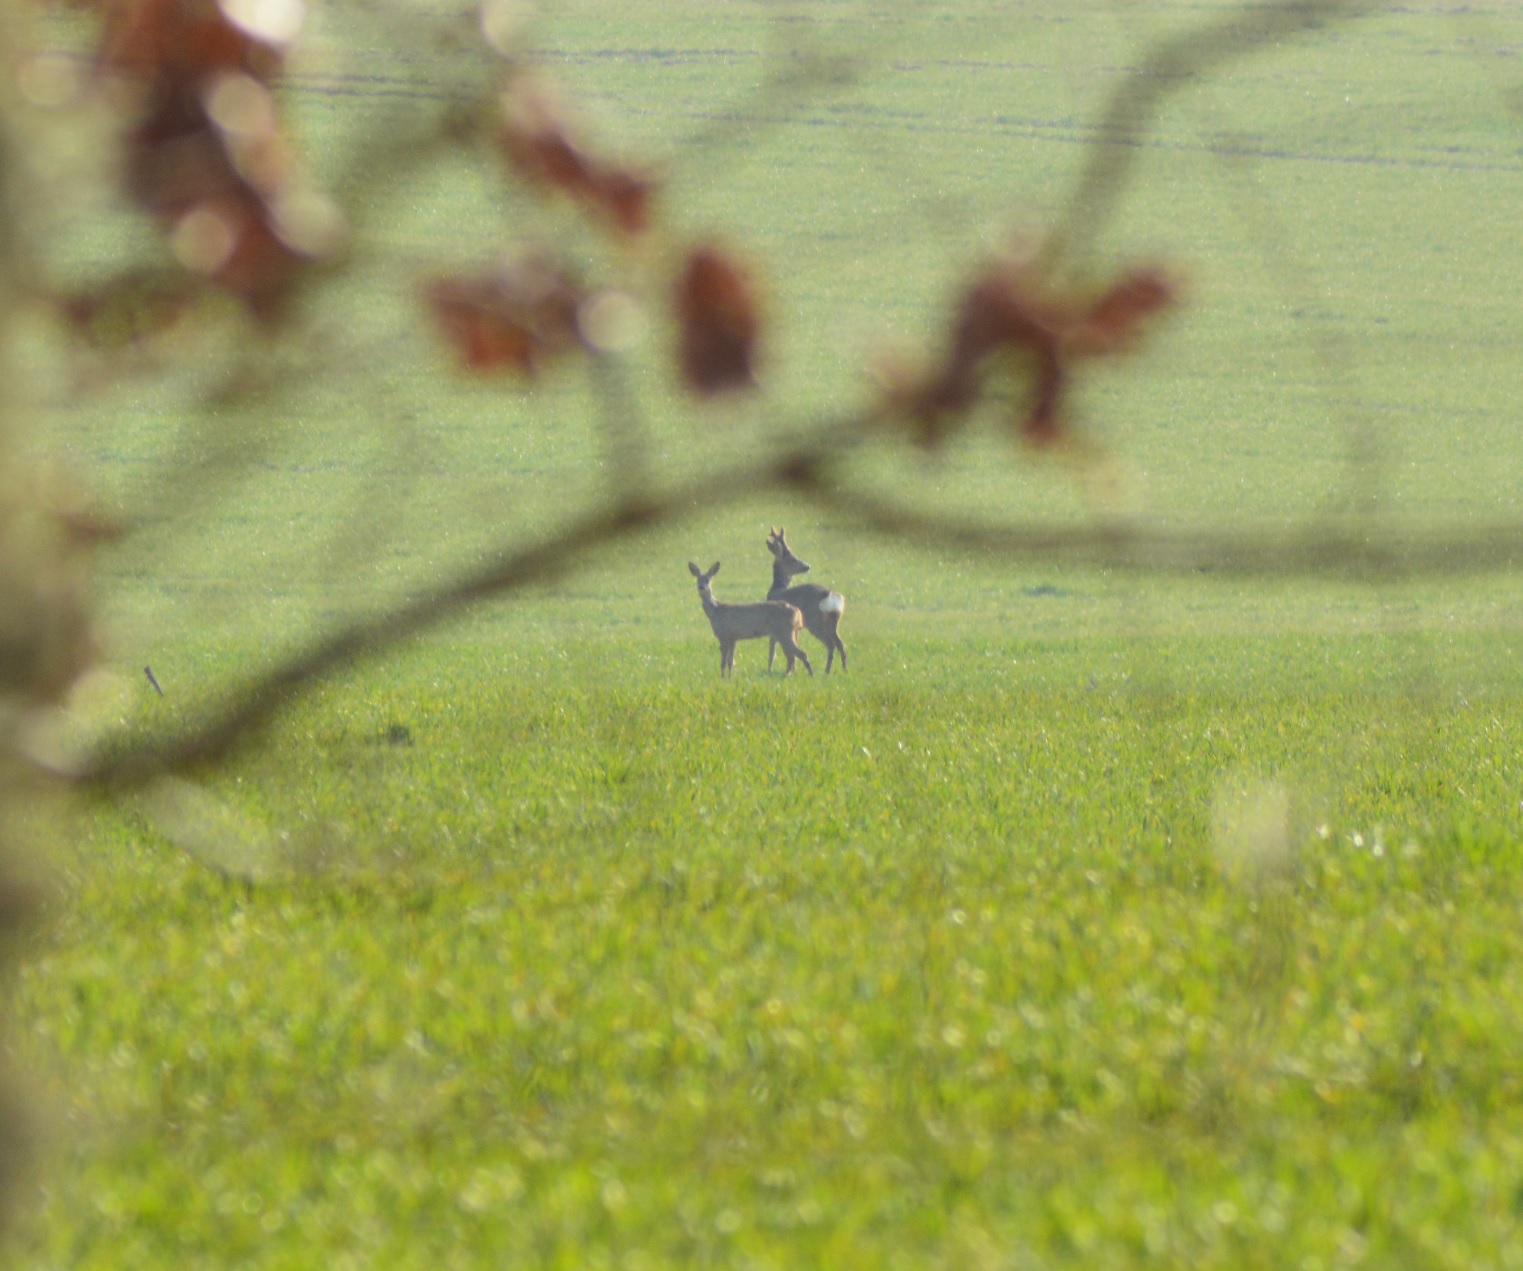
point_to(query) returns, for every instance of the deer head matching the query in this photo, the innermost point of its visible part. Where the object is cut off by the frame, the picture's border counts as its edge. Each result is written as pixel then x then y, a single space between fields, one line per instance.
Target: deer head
pixel 777 544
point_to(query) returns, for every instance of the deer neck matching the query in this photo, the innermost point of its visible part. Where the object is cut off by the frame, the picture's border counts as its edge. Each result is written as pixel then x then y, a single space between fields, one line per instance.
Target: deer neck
pixel 781 579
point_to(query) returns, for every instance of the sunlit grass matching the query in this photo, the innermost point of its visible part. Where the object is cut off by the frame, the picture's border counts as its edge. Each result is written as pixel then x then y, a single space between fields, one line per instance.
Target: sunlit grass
pixel 1090 921
pixel 845 971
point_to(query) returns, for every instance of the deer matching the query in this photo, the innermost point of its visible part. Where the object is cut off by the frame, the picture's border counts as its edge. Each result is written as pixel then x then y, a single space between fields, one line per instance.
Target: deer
pixel 822 608
pixel 776 619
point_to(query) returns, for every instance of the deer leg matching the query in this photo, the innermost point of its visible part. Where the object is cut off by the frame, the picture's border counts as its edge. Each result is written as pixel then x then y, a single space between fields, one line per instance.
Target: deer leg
pixel 827 637
pixel 802 656
pixel 832 641
pixel 820 629
pixel 771 652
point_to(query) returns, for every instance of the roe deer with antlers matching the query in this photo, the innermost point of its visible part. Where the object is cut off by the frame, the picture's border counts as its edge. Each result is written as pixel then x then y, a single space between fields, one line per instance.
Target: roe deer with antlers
pixel 732 623
pixel 821 607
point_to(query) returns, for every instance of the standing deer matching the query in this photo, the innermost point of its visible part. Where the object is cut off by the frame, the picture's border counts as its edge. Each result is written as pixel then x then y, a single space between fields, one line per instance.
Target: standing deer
pixel 821 607
pixel 732 623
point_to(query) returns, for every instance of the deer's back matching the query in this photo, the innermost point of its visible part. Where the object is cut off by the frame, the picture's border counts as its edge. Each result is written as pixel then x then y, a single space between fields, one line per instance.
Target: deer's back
pixel 756 619
pixel 806 596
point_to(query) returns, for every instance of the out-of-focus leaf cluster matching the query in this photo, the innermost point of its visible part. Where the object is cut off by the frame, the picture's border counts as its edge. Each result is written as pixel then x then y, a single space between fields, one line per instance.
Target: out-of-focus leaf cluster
pixel 1014 317
pixel 203 151
pixel 521 315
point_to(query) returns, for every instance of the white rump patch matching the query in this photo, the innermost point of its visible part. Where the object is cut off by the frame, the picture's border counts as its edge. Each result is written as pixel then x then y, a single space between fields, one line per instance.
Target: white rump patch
pixel 833 603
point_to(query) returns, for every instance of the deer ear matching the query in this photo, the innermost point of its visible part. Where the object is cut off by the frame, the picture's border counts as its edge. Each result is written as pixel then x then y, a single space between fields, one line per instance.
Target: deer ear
pixel 714 570
pixel 693 569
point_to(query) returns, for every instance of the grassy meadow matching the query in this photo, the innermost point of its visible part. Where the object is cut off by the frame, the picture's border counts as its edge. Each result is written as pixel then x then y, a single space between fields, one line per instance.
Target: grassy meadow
pixel 1089 920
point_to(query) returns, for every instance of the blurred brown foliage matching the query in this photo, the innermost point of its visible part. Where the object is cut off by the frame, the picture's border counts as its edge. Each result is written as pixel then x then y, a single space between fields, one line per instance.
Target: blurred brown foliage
pixel 204 155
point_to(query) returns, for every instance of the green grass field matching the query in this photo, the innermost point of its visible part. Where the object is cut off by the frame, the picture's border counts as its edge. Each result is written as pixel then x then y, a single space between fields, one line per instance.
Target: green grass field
pixel 1091 920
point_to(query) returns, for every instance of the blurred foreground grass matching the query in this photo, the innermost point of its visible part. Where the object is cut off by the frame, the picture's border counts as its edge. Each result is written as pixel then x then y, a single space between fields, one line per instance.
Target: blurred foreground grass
pixel 1044 966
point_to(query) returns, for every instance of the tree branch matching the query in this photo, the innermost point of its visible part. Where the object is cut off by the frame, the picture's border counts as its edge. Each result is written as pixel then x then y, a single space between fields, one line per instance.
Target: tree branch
pixel 512 570
pixel 1133 106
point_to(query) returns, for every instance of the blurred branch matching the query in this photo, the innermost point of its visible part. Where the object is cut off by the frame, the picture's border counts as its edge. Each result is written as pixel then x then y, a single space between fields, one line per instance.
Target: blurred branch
pixel 805 467
pixel 512 570
pixel 1170 65
pixel 544 147
pixel 626 444
pixel 1337 550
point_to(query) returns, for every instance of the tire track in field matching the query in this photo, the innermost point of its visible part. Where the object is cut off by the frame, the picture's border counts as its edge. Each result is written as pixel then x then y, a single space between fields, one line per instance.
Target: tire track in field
pixel 370 86
pixel 425 86
pixel 856 116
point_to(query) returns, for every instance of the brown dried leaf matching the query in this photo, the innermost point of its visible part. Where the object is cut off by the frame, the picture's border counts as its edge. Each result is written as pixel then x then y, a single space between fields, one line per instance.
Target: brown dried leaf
pixel 1013 311
pixel 719 323
pixel 518 318
pixel 537 140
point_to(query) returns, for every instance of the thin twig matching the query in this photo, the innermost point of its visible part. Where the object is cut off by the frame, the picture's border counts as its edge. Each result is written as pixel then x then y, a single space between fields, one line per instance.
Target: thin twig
pixel 553 557
pixel 1335 549
pixel 1172 63
pixel 626 436
pixel 1276 552
pixel 803 465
